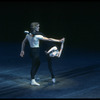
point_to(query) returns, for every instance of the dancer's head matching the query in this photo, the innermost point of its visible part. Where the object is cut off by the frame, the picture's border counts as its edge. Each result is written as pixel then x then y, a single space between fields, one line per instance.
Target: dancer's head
pixel 35 26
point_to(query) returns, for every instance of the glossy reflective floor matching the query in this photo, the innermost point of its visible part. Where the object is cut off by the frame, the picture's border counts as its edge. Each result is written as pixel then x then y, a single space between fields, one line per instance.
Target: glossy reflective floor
pixel 77 74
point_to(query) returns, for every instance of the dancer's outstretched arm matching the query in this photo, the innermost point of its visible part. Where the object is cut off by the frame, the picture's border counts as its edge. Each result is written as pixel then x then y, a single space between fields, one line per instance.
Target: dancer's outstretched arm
pixel 51 39
pixel 62 45
pixel 53 48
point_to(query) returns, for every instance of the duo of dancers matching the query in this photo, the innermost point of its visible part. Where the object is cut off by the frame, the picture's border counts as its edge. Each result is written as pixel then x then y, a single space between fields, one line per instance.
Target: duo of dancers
pixel 33 37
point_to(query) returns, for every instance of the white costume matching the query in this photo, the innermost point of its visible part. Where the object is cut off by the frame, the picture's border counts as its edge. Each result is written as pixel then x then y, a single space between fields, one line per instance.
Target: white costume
pixel 34 41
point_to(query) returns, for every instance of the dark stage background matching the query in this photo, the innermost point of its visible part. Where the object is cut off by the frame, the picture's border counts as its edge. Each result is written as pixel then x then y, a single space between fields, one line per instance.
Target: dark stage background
pixel 77 71
pixel 78 22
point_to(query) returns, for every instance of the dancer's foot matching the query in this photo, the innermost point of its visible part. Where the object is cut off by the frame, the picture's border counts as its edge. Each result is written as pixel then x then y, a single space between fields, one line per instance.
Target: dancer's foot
pixel 53 80
pixel 33 82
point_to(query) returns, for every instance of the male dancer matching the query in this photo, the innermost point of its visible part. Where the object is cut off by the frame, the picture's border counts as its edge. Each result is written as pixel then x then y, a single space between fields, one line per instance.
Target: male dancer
pixel 34 38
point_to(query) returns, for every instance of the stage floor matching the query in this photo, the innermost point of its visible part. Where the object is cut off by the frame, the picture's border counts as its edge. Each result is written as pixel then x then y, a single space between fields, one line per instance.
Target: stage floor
pixel 77 74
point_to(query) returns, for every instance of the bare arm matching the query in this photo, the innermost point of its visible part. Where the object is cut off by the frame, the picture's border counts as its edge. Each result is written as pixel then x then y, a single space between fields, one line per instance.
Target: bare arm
pixel 62 45
pixel 23 46
pixel 51 39
pixel 53 48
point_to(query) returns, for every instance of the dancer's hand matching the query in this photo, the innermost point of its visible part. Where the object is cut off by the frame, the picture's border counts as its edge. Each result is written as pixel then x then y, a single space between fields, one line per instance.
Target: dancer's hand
pixel 63 40
pixel 22 53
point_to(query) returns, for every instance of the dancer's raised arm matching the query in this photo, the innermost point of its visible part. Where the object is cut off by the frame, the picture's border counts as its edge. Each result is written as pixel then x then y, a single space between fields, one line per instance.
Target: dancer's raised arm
pixel 62 45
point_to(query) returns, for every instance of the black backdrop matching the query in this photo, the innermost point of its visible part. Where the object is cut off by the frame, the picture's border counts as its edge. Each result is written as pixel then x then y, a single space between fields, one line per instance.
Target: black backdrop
pixel 78 22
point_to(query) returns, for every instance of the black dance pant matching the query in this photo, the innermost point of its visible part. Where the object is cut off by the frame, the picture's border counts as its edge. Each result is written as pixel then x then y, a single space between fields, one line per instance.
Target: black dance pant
pixel 34 53
pixel 49 59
